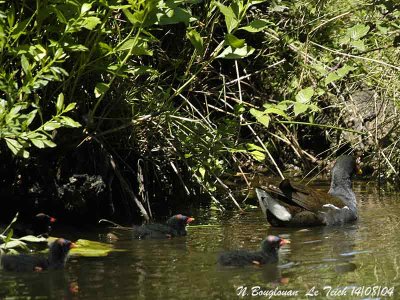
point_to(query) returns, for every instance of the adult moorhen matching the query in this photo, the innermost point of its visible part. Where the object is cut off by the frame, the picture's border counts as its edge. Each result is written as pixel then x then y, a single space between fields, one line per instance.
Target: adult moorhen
pixel 267 255
pixel 40 225
pixel 175 226
pixel 295 205
pixel 58 254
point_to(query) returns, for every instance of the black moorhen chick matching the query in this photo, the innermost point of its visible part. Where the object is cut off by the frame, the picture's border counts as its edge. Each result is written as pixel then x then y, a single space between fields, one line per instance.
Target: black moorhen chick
pixel 175 226
pixel 295 205
pixel 58 254
pixel 41 225
pixel 267 255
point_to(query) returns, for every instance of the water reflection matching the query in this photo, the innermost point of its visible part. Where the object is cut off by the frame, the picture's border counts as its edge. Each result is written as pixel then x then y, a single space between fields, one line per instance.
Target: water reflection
pixel 351 256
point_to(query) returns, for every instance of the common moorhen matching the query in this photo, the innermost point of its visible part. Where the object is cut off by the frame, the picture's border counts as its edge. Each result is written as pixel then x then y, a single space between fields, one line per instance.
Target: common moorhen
pixel 40 225
pixel 175 226
pixel 58 254
pixel 295 205
pixel 267 255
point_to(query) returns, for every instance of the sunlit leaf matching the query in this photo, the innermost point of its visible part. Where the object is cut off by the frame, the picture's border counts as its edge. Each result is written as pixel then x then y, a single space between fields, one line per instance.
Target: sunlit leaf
pixel 304 95
pixel 357 31
pixel 196 40
pixel 260 116
pixel 234 41
pixel 100 89
pixel 300 108
pixel 231 19
pixel 256 26
pixel 236 53
pixel 60 102
pixel 91 248
pixel 91 22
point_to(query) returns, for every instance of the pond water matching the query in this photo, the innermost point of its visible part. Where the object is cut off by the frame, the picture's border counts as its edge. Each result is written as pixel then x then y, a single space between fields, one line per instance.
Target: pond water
pixel 355 260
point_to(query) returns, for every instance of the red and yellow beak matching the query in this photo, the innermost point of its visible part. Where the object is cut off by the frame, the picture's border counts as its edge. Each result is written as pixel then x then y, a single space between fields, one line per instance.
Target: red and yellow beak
pixel 284 242
pixel 189 220
pixel 73 245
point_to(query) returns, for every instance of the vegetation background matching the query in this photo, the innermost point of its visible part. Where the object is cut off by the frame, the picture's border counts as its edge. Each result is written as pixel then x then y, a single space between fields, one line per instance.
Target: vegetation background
pixel 117 108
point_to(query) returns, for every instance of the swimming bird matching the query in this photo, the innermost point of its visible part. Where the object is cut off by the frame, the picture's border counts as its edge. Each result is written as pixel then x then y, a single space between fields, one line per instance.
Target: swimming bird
pixel 295 205
pixel 58 255
pixel 175 226
pixel 267 255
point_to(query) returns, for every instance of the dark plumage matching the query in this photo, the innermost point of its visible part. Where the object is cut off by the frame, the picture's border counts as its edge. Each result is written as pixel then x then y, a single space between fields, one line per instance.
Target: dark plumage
pixel 175 226
pixel 40 225
pixel 295 205
pixel 267 255
pixel 58 254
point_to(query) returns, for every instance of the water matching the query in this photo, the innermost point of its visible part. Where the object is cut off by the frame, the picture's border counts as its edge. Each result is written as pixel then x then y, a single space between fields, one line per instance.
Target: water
pixel 347 259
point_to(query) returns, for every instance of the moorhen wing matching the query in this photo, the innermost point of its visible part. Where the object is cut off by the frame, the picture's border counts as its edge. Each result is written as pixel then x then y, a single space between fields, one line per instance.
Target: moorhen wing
pixel 40 225
pixel 58 254
pixel 296 205
pixel 267 255
pixel 175 226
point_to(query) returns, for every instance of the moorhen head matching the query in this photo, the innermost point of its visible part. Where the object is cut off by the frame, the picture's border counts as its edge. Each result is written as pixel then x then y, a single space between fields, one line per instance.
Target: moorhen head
pixel 268 254
pixel 40 225
pixel 175 226
pixel 58 254
pixel 296 205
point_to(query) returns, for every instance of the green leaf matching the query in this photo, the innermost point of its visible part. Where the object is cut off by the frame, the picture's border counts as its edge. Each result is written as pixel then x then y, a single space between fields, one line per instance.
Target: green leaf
pixel 13 145
pixel 343 71
pixel 251 147
pixel 359 45
pixel 256 26
pixel 60 103
pixel 276 111
pixel 304 96
pixel 174 16
pixel 51 125
pixel 257 155
pixel 100 89
pixel 260 116
pixel 202 172
pixel 68 122
pixel 234 41
pixel 14 244
pixel 91 22
pixel 33 239
pixel 69 107
pixel 49 143
pixel 300 108
pixel 30 117
pixel 91 249
pixel 231 20
pixel 331 78
pixel 85 7
pixel 138 47
pixel 38 143
pixel 25 65
pixel 357 31
pixel 196 40
pixel 236 53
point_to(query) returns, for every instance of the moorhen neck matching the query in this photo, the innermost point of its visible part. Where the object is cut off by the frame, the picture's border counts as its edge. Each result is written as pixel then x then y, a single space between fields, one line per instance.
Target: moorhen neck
pixel 58 254
pixel 267 255
pixel 296 205
pixel 175 226
pixel 40 225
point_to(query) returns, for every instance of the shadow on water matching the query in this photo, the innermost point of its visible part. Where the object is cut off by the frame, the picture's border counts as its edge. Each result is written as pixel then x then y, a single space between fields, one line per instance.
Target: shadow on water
pixel 363 254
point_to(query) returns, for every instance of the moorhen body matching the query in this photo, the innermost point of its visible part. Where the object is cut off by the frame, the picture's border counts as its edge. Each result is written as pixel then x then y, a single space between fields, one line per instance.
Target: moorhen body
pixel 267 255
pixel 175 226
pixel 296 205
pixel 58 254
pixel 40 225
